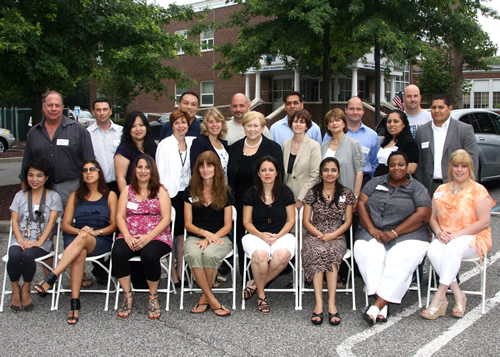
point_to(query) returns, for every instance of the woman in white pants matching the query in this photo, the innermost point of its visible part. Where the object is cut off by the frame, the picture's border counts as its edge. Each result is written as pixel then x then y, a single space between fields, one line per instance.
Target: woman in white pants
pixel 268 216
pixel 460 220
pixel 393 238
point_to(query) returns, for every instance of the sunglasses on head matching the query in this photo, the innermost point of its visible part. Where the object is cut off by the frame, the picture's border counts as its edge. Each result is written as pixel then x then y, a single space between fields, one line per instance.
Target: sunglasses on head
pixel 91 169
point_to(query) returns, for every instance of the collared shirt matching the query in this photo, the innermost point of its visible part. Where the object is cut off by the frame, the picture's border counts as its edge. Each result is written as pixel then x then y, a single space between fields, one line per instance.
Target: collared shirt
pixel 281 131
pixel 439 136
pixel 105 145
pixel 236 132
pixel 69 147
pixel 370 145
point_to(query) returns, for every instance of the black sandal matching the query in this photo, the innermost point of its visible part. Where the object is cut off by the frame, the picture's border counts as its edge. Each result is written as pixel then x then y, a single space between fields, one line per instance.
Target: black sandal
pixel 153 311
pixel 317 322
pixel 331 316
pixel 50 280
pixel 248 292
pixel 74 306
pixel 263 306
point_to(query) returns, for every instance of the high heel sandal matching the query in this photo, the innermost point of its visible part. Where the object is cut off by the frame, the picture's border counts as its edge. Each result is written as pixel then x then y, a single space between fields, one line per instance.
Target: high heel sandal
pixel 126 309
pixel 435 312
pixel 460 308
pixel 50 279
pixel 74 306
pixel 153 311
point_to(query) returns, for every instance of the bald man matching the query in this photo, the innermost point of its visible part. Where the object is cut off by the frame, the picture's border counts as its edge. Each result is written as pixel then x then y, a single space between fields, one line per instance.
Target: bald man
pixel 239 107
pixel 416 115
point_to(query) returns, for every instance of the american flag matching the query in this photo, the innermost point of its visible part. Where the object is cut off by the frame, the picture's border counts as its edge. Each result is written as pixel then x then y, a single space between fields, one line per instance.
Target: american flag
pixel 398 100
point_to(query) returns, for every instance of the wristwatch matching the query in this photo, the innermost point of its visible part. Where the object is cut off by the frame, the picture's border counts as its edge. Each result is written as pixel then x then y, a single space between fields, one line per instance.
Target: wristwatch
pixel 101 232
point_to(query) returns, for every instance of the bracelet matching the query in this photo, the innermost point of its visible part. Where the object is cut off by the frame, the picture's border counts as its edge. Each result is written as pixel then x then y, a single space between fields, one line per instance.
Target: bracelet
pixel 393 231
pixel 198 233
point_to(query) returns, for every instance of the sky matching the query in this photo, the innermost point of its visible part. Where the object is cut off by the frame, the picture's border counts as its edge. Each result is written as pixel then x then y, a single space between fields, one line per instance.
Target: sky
pixel 488 24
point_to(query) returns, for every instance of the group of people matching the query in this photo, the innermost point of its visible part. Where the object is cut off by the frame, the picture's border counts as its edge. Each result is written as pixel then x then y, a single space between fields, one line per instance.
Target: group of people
pixel 347 178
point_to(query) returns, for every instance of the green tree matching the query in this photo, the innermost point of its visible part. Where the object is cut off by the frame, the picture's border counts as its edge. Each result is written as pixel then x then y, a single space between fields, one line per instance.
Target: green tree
pixel 312 36
pixel 456 39
pixel 55 43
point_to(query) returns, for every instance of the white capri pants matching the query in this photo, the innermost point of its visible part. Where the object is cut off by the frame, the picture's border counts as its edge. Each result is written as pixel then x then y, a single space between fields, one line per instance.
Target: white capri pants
pixel 388 273
pixel 447 258
pixel 252 243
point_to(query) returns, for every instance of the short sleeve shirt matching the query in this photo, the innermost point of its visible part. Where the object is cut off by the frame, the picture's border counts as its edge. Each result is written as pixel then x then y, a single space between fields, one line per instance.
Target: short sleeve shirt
pixel 269 218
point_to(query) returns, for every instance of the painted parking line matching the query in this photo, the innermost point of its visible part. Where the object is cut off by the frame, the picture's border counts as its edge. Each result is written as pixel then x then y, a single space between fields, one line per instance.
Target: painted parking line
pixel 457 328
pixel 344 349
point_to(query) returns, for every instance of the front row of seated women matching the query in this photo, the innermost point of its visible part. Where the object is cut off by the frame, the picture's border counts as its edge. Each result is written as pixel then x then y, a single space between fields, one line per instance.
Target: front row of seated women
pixel 392 240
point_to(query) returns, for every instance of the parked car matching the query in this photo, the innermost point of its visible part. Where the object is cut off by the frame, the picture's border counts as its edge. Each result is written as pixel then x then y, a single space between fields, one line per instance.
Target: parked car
pixel 486 125
pixel 6 140
pixel 156 125
pixel 86 118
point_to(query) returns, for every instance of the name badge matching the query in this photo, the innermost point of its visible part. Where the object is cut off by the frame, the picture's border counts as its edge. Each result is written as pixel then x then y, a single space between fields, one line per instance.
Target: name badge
pixel 341 199
pixel 438 194
pixel 365 150
pixel 132 205
pixel 425 145
pixel 194 200
pixel 381 188
pixel 62 142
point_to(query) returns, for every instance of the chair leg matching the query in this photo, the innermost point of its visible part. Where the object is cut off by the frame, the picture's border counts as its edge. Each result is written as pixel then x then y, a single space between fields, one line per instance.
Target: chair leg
pixel 418 289
pixel 3 287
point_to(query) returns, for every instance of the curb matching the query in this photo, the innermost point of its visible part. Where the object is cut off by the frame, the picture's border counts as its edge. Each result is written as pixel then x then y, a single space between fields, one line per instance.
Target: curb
pixel 11 159
pixel 4 226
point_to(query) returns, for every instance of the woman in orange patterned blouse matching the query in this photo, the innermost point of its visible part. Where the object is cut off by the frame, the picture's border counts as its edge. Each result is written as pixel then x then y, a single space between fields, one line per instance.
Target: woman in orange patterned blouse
pixel 461 222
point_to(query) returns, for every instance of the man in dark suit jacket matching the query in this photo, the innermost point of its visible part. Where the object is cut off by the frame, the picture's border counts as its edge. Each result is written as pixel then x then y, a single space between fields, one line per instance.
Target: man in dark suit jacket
pixel 438 139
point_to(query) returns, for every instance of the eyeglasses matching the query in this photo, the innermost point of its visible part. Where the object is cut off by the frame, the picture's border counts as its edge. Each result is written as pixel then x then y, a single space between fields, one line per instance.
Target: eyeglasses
pixel 91 169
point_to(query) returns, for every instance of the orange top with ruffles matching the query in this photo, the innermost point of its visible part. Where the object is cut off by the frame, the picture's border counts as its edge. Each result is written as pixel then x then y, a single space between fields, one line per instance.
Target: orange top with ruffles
pixel 456 211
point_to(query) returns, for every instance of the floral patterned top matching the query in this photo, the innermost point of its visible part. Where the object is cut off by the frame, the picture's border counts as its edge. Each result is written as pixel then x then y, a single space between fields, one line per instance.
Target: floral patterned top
pixel 143 216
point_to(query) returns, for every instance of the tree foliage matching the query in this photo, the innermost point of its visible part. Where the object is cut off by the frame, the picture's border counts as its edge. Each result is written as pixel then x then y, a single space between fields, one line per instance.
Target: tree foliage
pixel 55 43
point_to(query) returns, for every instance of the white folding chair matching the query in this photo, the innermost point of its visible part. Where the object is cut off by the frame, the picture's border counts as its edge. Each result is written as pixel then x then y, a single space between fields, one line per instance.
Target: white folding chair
pixel 188 273
pixel 165 269
pixel 295 287
pixel 93 259
pixel 347 258
pixel 482 289
pixel 41 261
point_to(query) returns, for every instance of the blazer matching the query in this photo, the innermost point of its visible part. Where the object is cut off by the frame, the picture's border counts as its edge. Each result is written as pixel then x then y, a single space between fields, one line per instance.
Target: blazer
pixel 305 172
pixel 169 163
pixel 458 136
pixel 267 147
pixel 200 144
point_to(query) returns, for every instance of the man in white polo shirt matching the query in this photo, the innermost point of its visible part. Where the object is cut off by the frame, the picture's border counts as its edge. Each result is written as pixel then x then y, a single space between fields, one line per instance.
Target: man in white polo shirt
pixel 416 115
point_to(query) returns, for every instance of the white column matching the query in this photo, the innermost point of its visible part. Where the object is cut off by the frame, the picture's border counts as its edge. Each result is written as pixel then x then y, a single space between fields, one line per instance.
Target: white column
pixel 393 87
pixel 296 81
pixel 490 94
pixel 354 82
pixel 247 86
pixel 257 86
pixel 382 88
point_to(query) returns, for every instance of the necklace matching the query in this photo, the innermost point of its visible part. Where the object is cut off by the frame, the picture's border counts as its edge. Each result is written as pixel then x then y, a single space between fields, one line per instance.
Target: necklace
pixel 328 196
pixel 455 190
pixel 253 146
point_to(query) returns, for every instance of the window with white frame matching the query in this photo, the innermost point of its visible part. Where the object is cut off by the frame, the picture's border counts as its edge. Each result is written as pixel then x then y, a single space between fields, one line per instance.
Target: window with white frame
pixel 345 89
pixel 281 86
pixel 182 33
pixel 178 92
pixel 310 88
pixel 481 100
pixel 207 93
pixel 496 100
pixel 466 100
pixel 207 40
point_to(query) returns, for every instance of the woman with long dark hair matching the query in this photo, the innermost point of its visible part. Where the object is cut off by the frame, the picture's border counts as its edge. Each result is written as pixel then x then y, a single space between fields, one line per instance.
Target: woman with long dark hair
pixel 34 214
pixel 93 209
pixel 208 220
pixel 143 218
pixel 268 216
pixel 324 244
pixel 136 140
pixel 397 137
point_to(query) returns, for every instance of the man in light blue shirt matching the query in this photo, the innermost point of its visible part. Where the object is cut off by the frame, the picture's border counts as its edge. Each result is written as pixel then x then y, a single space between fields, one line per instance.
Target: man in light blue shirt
pixel 367 137
pixel 281 131
pixel 106 137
